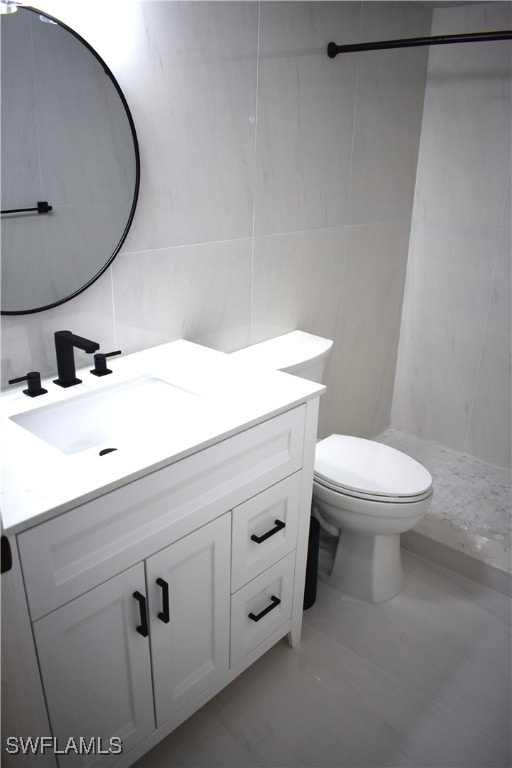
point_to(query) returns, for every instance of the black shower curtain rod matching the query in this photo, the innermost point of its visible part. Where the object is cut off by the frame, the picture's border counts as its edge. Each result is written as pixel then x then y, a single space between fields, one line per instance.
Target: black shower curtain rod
pixel 471 37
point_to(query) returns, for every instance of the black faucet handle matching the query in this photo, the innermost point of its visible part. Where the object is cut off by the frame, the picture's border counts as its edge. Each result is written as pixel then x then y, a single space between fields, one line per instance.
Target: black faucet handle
pixel 34 384
pixel 100 363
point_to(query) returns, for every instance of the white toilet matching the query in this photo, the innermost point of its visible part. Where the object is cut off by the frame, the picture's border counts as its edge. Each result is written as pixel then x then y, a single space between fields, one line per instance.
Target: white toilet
pixel 364 492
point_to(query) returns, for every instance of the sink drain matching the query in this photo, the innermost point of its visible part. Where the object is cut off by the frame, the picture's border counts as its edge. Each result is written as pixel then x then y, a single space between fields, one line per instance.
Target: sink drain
pixel 106 450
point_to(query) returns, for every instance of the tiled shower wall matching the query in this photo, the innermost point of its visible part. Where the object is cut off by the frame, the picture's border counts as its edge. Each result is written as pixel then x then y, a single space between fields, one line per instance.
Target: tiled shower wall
pixel 453 375
pixel 276 187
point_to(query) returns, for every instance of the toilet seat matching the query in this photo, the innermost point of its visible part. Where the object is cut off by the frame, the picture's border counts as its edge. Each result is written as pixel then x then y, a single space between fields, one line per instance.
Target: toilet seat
pixel 371 496
pixel 369 470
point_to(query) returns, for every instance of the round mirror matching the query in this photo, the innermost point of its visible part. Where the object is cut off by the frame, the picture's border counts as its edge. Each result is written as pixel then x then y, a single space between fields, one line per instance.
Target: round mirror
pixel 70 163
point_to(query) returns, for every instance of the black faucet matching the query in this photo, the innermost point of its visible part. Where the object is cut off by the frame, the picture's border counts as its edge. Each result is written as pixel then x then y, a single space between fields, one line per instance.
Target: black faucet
pixel 65 341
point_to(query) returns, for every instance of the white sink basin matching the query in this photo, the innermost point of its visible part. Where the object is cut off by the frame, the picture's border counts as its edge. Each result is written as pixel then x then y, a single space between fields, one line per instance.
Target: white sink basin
pixel 142 409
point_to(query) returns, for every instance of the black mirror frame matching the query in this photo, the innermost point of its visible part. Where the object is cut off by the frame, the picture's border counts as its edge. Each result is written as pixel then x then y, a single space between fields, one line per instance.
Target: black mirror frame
pixel 124 234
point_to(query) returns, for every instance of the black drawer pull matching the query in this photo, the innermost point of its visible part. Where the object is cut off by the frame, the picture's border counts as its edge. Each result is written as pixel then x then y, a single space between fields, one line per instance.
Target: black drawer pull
pixel 6 555
pixel 257 616
pixel 279 525
pixel 142 629
pixel 164 613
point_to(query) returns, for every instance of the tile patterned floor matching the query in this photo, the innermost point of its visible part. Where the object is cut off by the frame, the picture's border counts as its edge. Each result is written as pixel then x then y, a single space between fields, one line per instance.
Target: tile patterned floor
pixel 471 509
pixel 421 681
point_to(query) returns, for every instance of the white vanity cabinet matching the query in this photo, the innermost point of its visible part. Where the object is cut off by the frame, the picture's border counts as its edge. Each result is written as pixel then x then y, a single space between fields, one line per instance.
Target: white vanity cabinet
pixel 94 652
pixel 146 601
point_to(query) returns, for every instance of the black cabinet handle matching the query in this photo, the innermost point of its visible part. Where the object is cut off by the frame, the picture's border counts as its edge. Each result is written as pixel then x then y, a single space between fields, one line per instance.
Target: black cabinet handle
pixel 142 629
pixel 279 525
pixel 257 616
pixel 164 613
pixel 6 555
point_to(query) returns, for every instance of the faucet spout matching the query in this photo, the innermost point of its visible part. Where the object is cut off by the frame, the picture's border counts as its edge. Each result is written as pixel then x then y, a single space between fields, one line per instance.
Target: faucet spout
pixel 65 342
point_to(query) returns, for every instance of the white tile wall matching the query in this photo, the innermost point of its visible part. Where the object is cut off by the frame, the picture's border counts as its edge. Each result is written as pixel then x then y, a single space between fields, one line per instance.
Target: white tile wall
pixel 489 428
pixel 306 106
pixel 453 383
pixel 363 371
pixel 203 296
pixel 296 282
pixel 192 88
pixel 387 118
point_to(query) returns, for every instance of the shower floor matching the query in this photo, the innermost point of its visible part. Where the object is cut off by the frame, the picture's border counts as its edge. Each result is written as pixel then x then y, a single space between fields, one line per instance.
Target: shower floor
pixel 471 510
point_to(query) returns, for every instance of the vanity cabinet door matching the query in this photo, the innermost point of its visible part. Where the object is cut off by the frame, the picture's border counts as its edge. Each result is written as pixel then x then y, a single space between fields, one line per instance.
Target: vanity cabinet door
pixel 189 597
pixel 96 670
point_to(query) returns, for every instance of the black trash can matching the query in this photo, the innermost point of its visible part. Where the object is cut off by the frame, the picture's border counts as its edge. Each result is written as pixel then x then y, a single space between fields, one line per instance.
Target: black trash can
pixel 312 563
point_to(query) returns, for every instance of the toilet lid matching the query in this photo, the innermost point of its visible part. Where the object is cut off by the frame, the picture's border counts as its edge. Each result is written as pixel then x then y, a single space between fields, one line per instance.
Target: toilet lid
pixel 366 467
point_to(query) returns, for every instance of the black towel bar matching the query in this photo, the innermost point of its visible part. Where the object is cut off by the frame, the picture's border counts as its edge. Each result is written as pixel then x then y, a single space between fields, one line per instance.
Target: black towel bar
pixel 42 207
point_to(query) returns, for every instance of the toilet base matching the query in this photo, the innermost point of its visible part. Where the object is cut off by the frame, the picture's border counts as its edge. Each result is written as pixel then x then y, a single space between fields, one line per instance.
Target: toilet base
pixel 368 566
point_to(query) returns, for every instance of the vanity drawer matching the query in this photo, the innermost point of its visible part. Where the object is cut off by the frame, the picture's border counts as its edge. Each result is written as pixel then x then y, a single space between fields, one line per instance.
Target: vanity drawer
pixel 261 607
pixel 264 530
pixel 79 549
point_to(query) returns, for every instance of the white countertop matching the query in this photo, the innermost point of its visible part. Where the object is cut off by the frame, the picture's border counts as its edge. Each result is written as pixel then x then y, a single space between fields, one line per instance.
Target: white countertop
pixel 39 481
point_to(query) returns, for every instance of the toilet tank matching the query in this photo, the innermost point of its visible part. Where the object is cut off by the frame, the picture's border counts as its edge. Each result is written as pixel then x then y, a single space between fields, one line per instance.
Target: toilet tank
pixel 299 353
